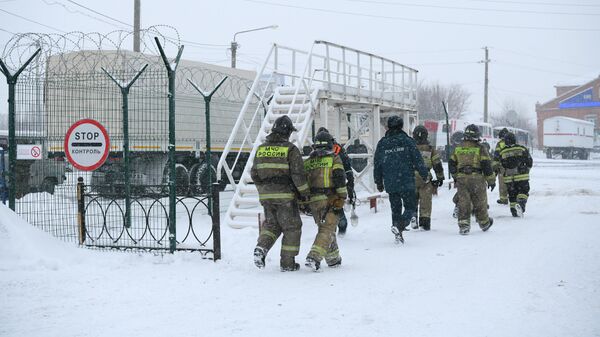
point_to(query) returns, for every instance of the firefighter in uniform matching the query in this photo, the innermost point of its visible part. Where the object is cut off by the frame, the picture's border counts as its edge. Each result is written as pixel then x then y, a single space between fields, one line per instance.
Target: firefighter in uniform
pixel 499 169
pixel 327 182
pixel 339 151
pixel 517 162
pixel 425 191
pixel 471 168
pixel 278 173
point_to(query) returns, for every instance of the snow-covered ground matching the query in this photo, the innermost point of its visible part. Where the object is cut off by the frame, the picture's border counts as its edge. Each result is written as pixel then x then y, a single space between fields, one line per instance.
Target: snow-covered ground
pixel 537 276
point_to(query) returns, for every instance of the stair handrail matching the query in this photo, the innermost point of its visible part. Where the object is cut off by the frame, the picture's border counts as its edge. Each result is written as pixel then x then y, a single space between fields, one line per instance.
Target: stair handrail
pixel 222 164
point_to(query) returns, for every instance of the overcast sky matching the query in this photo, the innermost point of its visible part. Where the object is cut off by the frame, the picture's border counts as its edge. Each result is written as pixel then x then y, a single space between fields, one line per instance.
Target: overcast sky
pixel 534 44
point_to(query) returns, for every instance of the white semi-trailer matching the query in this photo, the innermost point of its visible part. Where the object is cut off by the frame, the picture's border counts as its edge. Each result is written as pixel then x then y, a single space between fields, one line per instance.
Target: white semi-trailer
pixel 568 137
pixel 76 88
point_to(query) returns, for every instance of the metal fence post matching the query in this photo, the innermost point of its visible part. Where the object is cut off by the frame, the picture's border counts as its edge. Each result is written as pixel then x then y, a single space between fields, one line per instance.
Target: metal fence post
pixel 81 210
pixel 172 174
pixel 216 223
pixel 2 177
pixel 11 80
pixel 207 98
pixel 125 109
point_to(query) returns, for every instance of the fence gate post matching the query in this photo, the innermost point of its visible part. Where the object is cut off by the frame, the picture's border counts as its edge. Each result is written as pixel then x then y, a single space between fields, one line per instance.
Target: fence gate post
pixel 125 109
pixel 216 223
pixel 81 210
pixel 172 174
pixel 11 80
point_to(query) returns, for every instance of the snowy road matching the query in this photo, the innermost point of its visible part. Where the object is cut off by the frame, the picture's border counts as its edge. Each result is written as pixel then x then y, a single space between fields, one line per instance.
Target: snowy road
pixel 537 276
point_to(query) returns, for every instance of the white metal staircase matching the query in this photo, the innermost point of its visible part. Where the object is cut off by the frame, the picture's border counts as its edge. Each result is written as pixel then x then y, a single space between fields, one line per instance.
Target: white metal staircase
pixel 299 106
pixel 325 88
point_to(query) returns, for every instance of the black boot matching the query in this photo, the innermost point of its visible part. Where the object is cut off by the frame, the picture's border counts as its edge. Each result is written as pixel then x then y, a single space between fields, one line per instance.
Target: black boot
pixel 259 257
pixel 514 212
pixel 398 235
pixel 313 264
pixel 425 223
pixel 342 225
pixel 288 264
pixel 487 226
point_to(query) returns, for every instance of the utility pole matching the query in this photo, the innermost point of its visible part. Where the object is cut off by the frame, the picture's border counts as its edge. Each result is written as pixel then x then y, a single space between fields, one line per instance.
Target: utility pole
pixel 136 25
pixel 485 88
pixel 234 46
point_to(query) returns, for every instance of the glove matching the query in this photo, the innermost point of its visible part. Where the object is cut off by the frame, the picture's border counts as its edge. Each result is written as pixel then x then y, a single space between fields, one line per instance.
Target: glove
pixel 380 187
pixel 492 186
pixel 304 208
pixel 440 182
pixel 350 189
pixel 426 180
pixel 337 204
pixel 303 199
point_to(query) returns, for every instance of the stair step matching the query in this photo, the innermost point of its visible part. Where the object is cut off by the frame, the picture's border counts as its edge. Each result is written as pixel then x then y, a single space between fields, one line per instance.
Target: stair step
pixel 250 213
pixel 237 224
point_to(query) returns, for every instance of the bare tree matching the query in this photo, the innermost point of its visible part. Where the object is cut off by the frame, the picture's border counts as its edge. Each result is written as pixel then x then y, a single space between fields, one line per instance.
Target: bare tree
pixel 513 113
pixel 430 97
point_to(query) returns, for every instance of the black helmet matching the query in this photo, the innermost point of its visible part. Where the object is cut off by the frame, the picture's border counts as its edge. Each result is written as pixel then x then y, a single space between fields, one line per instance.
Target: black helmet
pixel 472 132
pixel 395 123
pixel 323 139
pixel 509 138
pixel 457 137
pixel 502 133
pixel 323 129
pixel 284 126
pixel 420 134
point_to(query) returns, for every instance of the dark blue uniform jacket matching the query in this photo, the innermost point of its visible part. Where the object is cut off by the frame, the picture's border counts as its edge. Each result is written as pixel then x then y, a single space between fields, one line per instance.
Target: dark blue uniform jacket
pixel 396 160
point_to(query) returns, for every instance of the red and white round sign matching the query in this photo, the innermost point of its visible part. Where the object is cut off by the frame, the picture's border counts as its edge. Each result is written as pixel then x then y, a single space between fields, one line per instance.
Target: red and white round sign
pixel 87 145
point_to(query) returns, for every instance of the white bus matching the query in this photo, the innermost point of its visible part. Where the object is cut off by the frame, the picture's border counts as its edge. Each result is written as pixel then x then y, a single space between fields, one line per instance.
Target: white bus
pixel 438 139
pixel 522 136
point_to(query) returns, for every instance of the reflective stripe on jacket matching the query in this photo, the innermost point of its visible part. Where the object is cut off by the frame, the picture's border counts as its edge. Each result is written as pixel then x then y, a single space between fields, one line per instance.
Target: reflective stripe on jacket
pixel 278 170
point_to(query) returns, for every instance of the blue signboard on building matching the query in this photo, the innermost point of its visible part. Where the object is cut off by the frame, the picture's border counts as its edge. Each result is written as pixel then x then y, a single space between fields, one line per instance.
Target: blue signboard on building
pixel 584 99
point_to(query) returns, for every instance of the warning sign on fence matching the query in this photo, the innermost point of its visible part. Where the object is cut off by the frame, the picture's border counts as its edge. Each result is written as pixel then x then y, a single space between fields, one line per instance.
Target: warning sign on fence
pixel 87 145
pixel 28 151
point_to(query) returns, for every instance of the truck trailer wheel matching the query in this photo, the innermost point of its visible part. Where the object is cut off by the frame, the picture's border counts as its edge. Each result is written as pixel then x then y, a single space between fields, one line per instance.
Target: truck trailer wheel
pixel 199 178
pixel 48 185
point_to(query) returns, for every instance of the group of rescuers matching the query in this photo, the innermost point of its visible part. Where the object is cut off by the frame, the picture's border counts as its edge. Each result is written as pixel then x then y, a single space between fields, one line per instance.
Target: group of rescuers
pixel 320 185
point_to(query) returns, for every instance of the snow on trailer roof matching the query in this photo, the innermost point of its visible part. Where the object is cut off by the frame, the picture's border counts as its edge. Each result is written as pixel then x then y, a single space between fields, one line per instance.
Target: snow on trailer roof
pixel 576 120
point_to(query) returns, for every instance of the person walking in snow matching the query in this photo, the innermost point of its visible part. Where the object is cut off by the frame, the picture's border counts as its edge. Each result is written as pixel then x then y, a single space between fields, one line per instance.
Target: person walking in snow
pixel 396 160
pixel 471 168
pixel 425 191
pixel 338 150
pixel 516 162
pixel 278 173
pixel 499 169
pixel 327 182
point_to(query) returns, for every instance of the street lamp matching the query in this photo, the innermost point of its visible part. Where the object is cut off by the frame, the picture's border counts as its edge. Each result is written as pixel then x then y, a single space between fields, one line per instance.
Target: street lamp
pixel 234 45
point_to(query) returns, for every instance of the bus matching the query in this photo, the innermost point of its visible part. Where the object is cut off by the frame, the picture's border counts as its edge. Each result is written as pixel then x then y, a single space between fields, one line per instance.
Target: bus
pixel 437 132
pixel 522 136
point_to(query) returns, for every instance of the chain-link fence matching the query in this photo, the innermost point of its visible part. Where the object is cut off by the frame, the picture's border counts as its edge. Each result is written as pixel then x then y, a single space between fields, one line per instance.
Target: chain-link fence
pixel 126 202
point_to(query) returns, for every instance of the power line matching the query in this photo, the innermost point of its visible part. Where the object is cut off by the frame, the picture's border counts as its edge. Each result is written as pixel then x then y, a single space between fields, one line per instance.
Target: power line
pixel 103 15
pixel 442 63
pixel 536 3
pixel 521 11
pixel 535 69
pixel 323 10
pixel 191 43
pixel 515 92
pixel 54 3
pixel 430 51
pixel 32 21
pixel 544 57
pixel 4 30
